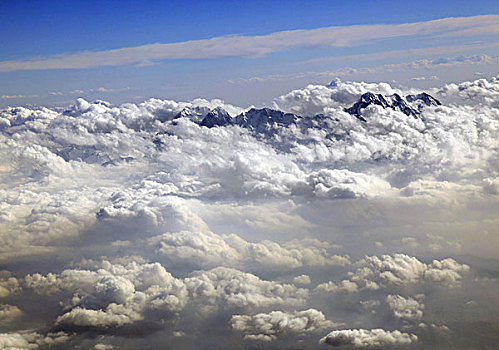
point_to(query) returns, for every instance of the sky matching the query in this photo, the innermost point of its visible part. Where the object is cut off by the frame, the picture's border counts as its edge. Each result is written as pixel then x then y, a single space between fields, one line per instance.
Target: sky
pixel 54 52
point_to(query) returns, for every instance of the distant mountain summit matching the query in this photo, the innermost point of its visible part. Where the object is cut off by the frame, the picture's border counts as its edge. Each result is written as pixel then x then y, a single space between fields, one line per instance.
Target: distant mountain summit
pixel 216 117
pixel 262 120
pixel 268 121
pixel 425 98
pixel 410 105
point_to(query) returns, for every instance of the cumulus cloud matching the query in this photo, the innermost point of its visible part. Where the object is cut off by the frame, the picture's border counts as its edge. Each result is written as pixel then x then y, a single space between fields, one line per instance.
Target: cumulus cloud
pixel 116 295
pixel 31 340
pixel 8 285
pixel 88 138
pixel 405 308
pixel 399 269
pixel 267 327
pixel 481 91
pixel 140 217
pixel 364 338
pixel 302 279
pixel 235 288
pixel 331 287
pixel 9 312
pixel 210 249
pixel 103 347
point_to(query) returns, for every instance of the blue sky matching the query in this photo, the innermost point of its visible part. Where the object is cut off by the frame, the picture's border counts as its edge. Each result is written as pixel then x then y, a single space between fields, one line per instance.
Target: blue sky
pixel 52 52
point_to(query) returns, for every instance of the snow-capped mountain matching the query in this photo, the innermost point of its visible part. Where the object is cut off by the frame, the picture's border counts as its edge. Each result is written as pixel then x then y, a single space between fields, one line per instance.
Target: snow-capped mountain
pixel 410 105
pixel 267 120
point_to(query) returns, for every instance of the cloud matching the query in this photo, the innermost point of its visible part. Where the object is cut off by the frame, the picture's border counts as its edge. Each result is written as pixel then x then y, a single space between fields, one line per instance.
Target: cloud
pixel 209 249
pixel 10 97
pixel 9 312
pixel 93 318
pixel 405 308
pixel 426 51
pixel 444 137
pixel 136 224
pixel 424 63
pixel 302 279
pixel 256 46
pixel 433 77
pixel 269 326
pixel 117 295
pixel 481 91
pixel 364 338
pixel 399 269
pixel 13 96
pixel 373 273
pixel 31 340
pixel 8 286
pixel 345 286
pixel 103 347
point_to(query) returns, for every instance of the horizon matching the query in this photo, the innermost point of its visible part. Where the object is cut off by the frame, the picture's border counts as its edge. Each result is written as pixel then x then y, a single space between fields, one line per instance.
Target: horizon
pixel 242 54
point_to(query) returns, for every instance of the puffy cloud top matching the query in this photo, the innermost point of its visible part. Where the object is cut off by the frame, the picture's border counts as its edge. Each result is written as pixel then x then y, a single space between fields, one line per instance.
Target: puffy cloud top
pixel 333 155
pixel 115 295
pixel 365 338
pixel 407 308
pixel 175 215
pixel 401 269
pixel 266 327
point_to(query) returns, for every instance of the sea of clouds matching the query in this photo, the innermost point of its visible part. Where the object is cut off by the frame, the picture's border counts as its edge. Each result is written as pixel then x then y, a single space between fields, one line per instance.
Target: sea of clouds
pixel 135 227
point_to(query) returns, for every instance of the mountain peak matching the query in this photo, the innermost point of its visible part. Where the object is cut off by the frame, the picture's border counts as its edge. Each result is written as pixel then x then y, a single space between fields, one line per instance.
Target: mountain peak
pixel 334 83
pixel 427 99
pixel 395 102
pixel 216 117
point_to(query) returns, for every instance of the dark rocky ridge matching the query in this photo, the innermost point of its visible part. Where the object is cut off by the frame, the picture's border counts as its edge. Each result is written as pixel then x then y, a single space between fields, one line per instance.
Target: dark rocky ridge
pixel 216 117
pixel 267 120
pixel 395 102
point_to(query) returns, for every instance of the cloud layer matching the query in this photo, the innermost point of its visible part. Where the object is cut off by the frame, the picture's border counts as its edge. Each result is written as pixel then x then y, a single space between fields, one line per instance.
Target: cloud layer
pixel 202 224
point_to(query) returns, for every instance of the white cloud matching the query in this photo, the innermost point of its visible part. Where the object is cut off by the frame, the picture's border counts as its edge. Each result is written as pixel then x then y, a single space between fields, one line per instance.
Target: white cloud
pixel 255 46
pixel 13 96
pixel 8 285
pixel 302 279
pixel 116 295
pixel 269 326
pixel 413 52
pixel 400 269
pixel 420 64
pixel 136 217
pixel 80 317
pixel 405 308
pixel 364 338
pixel 103 347
pixel 31 340
pixel 481 91
pixel 331 287
pixel 9 312
pixel 80 141
pixel 209 249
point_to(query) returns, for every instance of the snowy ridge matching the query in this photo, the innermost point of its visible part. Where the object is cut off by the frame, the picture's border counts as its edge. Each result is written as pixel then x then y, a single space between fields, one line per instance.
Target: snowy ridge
pixel 420 137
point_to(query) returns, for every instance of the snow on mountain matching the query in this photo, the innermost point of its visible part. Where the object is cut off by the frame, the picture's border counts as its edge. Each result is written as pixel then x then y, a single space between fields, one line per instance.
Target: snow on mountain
pixel 416 134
